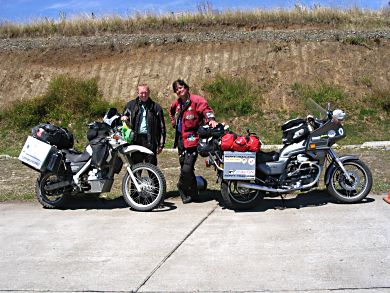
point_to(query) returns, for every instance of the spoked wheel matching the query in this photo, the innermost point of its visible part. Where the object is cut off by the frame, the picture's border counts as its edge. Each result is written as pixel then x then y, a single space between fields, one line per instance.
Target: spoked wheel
pixel 46 195
pixel 237 197
pixel 354 190
pixel 152 184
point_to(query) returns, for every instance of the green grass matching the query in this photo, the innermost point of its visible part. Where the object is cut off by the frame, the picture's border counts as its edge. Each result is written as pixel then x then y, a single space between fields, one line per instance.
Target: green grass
pixel 322 93
pixel 203 20
pixel 16 196
pixel 356 40
pixel 68 102
pixel 233 97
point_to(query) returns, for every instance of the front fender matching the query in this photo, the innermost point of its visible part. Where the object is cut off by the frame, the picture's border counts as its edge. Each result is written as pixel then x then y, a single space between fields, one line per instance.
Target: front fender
pixel 137 148
pixel 333 165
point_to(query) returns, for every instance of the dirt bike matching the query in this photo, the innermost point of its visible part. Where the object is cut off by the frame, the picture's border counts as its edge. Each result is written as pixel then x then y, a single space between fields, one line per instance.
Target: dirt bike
pixel 65 172
pixel 247 177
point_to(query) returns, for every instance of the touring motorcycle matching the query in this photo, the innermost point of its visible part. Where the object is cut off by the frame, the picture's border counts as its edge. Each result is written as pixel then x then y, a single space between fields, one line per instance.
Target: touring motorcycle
pixel 307 150
pixel 65 172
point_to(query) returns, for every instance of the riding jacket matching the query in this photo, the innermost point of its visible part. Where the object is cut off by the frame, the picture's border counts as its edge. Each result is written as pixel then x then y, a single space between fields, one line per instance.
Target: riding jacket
pixel 154 121
pixel 186 117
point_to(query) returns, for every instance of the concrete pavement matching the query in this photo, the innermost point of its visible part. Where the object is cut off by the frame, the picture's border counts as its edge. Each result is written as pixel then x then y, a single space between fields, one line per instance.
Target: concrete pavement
pixel 311 245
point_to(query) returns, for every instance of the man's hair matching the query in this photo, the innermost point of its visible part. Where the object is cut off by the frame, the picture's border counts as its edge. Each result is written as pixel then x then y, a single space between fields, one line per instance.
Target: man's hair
pixel 143 85
pixel 179 82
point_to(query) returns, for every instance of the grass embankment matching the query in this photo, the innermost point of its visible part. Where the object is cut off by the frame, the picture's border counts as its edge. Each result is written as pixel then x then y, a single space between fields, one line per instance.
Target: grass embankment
pixel 202 20
pixel 73 103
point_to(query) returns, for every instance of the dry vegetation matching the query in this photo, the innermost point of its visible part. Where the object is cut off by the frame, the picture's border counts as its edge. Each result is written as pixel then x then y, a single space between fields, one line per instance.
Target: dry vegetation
pixel 206 17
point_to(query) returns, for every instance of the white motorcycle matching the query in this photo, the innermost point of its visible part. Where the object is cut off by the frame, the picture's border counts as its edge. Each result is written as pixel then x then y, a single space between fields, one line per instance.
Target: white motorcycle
pixel 65 172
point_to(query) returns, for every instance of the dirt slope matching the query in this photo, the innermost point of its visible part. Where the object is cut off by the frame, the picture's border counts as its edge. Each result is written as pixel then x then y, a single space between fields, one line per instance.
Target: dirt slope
pixel 274 63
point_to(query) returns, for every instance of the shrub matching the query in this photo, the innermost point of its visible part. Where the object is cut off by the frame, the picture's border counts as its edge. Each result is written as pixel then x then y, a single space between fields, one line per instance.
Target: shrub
pixel 66 100
pixel 233 96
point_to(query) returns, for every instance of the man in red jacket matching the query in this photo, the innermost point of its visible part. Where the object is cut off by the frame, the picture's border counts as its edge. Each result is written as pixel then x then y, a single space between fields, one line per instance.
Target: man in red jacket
pixel 187 113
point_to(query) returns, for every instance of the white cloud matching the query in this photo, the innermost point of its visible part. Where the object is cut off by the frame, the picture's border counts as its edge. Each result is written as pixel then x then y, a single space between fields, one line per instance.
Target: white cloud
pixel 74 4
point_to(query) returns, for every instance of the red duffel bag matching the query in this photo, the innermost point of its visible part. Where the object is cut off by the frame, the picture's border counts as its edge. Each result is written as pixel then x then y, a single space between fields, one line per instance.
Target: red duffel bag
pixel 253 143
pixel 227 141
pixel 240 144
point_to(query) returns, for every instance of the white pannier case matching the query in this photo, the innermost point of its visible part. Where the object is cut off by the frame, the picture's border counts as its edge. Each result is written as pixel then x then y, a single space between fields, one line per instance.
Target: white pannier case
pixel 37 154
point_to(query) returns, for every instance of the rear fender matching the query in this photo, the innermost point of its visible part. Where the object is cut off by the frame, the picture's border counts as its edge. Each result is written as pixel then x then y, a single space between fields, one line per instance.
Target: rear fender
pixel 137 148
pixel 333 166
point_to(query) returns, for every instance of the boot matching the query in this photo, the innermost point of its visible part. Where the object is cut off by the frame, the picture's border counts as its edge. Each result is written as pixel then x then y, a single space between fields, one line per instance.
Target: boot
pixel 185 198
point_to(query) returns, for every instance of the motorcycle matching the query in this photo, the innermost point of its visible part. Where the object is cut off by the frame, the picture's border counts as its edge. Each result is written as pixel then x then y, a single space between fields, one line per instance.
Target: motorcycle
pixel 246 177
pixel 65 172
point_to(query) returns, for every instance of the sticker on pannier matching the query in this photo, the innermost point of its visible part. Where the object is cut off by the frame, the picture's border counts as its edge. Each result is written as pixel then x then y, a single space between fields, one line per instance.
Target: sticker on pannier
pixel 36 153
pixel 239 166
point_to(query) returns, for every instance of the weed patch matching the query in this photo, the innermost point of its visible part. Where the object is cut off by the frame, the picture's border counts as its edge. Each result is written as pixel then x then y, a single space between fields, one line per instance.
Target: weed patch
pixel 232 97
pixel 321 93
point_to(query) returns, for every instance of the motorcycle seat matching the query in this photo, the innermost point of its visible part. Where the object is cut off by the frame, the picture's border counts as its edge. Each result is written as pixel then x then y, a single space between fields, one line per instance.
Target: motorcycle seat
pixel 264 157
pixel 73 156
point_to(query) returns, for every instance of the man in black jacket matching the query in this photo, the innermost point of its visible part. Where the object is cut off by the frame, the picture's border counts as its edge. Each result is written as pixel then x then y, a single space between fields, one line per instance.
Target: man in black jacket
pixel 146 119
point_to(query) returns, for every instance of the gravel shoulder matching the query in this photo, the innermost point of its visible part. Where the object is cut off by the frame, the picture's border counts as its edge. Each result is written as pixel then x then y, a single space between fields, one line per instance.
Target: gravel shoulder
pixel 186 37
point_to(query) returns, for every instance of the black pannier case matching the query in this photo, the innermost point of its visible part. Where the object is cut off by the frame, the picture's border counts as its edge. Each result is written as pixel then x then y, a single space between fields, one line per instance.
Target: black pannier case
pixel 54 135
pixel 97 133
pixel 294 130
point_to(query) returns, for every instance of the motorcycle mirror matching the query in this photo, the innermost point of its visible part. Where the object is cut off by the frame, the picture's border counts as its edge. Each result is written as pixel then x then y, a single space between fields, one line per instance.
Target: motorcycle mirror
pixel 330 114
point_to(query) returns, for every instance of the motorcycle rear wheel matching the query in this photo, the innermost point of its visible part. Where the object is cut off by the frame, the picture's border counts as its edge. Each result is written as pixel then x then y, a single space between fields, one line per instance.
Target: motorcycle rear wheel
pixel 54 198
pixel 357 189
pixel 153 187
pixel 238 198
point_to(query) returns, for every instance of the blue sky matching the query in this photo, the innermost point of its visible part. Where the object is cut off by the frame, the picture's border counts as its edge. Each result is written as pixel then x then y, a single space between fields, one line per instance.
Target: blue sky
pixel 27 10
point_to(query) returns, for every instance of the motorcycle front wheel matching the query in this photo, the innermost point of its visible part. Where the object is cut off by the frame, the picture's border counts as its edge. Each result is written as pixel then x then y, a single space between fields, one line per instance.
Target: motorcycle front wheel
pixel 50 198
pixel 152 184
pixel 237 198
pixel 354 190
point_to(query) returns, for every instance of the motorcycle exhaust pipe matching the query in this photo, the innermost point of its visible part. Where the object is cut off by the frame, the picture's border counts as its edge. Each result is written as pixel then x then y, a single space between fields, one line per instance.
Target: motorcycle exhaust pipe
pixel 262 188
pixel 278 190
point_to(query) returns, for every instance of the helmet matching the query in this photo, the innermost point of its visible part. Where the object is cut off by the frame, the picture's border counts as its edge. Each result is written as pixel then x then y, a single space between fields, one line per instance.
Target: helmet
pixel 339 114
pixel 112 117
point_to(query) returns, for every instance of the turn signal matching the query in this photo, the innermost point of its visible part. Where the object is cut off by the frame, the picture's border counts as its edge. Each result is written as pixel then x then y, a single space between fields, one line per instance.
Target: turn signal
pixel 312 146
pixel 116 137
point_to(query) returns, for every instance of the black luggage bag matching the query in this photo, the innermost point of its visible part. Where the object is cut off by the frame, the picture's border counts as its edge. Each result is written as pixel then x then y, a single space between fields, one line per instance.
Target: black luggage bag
pixel 294 130
pixel 54 135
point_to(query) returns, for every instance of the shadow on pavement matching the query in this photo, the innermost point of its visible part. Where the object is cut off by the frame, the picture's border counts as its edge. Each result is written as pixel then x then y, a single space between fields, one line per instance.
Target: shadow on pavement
pixel 314 198
pixel 204 196
pixel 91 202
